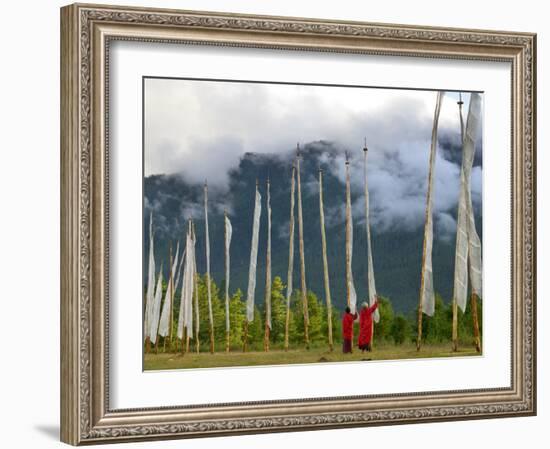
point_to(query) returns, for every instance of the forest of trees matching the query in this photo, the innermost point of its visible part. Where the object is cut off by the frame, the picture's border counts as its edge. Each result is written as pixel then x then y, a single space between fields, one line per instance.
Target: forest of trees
pixel 397 251
pixel 393 328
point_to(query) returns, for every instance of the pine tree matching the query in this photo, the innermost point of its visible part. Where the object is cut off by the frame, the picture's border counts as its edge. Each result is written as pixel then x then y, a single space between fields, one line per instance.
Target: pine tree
pixel 401 331
pixel 278 311
pixel 218 312
pixel 383 329
pixel 256 331
pixel 237 316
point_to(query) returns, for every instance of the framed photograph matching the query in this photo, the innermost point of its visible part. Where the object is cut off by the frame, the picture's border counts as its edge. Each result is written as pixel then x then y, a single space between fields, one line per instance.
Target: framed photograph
pixel 279 224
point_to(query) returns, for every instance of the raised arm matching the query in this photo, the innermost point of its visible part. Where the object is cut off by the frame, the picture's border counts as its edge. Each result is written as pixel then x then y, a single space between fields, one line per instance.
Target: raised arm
pixel 374 306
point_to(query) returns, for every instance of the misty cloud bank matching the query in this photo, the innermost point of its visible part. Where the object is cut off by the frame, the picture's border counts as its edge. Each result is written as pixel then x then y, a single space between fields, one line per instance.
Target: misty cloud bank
pixel 216 124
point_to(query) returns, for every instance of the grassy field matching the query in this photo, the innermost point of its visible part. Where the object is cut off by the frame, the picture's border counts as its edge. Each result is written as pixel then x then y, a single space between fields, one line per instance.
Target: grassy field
pixel 163 361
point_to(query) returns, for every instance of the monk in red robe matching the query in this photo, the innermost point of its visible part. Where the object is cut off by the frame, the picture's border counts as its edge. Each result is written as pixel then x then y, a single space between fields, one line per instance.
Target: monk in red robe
pixel 365 326
pixel 347 330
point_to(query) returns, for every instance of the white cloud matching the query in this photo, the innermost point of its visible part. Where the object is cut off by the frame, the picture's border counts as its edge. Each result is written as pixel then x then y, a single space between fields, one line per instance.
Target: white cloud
pixel 201 130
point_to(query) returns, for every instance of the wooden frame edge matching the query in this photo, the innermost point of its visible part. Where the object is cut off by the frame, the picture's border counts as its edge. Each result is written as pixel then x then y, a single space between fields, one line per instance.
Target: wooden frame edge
pixel 85 418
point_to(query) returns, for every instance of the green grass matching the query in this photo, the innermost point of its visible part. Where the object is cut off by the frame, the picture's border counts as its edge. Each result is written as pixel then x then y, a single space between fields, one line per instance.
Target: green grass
pixel 163 361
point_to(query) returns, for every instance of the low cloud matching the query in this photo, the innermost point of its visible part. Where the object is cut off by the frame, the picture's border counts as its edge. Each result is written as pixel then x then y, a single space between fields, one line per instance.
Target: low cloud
pixel 201 131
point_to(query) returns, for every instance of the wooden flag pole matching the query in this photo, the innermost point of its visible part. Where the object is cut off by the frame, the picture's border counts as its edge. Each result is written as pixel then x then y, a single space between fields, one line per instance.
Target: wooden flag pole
pixel 266 337
pixel 454 303
pixel 208 283
pixel 477 340
pixel 455 325
pixel 267 298
pixel 169 299
pixel 367 225
pixel 170 325
pixel 196 280
pixel 290 256
pixel 348 238
pixel 226 280
pixel 197 316
pixel 183 340
pixel 245 336
pixel 325 262
pixel 302 255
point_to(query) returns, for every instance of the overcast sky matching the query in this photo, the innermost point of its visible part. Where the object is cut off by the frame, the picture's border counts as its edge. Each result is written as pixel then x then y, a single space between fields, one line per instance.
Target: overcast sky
pixel 200 129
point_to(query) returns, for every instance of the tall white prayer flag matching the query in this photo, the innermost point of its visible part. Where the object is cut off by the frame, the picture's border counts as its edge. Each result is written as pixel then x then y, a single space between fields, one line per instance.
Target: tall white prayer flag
pixel 155 313
pixel 164 325
pixel 185 319
pixel 228 233
pixel 179 271
pixel 182 296
pixel 149 296
pixel 370 265
pixel 253 257
pixel 468 244
pixel 352 295
pixel 426 285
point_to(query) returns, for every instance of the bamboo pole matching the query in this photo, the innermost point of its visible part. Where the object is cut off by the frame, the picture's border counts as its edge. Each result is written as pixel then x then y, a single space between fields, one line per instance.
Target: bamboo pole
pixel 325 262
pixel 302 255
pixel 290 256
pixel 267 297
pixel 208 286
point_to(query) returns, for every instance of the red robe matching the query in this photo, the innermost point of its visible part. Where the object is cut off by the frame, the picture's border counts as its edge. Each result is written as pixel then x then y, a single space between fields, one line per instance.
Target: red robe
pixel 347 325
pixel 365 325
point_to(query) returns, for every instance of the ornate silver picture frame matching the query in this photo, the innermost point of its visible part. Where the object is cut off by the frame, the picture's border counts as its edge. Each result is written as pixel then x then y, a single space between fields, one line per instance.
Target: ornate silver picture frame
pixel 87 33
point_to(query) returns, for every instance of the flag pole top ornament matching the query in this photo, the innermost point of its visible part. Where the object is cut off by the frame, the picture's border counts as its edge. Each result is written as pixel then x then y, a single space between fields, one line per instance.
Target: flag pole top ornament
pixel 347 157
pixel 365 148
pixel 298 151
